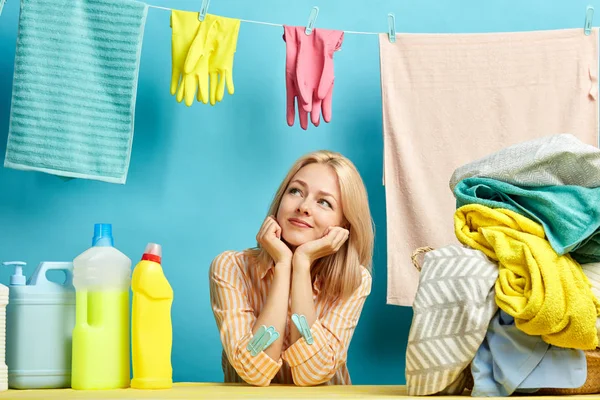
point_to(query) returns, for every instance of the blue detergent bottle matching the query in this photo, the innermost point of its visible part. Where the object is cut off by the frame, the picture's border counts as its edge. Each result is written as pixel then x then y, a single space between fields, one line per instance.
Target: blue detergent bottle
pixel 40 317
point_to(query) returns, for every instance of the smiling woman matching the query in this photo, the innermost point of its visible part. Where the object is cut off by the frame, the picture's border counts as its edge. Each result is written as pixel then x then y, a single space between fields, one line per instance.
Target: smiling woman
pixel 311 267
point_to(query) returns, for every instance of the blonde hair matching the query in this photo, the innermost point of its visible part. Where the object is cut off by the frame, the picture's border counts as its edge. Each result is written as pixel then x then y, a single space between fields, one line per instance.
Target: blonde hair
pixel 340 273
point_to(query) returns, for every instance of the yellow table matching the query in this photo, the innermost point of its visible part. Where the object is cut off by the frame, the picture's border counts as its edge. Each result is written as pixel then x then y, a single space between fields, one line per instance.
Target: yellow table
pixel 221 391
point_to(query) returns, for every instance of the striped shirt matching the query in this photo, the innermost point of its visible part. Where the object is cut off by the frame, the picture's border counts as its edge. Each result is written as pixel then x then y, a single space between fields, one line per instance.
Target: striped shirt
pixel 238 292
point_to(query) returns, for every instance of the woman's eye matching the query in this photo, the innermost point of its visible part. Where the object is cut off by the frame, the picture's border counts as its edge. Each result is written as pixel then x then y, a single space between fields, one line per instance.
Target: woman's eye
pixel 325 203
pixel 294 191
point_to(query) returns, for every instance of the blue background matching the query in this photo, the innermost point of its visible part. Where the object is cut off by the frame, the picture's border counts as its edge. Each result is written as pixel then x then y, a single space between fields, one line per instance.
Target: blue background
pixel 201 178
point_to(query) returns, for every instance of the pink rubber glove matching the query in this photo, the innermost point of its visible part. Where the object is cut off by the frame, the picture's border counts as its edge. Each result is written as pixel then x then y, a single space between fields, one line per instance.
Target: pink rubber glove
pixel 291 52
pixel 309 72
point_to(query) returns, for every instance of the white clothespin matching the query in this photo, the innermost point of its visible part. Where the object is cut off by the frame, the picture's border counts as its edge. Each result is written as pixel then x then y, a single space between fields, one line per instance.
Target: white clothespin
pixel 203 9
pixel 589 16
pixel 391 27
pixel 311 20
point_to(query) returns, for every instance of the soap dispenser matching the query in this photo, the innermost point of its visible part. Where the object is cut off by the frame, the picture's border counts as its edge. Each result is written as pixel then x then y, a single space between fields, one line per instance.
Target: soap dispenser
pixel 40 317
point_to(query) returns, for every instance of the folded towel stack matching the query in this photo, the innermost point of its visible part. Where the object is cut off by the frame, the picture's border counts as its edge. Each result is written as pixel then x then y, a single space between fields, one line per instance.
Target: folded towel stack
pixel 533 209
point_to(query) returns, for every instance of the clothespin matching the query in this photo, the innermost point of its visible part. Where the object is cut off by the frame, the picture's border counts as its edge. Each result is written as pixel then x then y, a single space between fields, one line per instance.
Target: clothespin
pixel 303 328
pixel 203 10
pixel 262 339
pixel 589 16
pixel 391 27
pixel 2 2
pixel 311 20
pixel 274 336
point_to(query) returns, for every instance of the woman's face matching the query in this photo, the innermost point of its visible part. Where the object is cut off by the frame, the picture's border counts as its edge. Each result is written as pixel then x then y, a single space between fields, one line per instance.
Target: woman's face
pixel 310 205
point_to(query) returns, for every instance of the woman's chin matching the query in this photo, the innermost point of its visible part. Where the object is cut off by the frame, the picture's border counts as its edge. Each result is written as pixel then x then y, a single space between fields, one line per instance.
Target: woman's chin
pixel 295 240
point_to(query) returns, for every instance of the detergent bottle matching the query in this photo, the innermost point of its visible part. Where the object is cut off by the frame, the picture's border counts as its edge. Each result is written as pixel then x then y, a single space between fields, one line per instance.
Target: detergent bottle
pixel 152 334
pixel 3 368
pixel 102 277
pixel 40 317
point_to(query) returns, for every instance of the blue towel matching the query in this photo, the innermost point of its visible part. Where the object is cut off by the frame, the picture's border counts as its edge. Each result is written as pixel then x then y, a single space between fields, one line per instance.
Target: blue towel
pixel 74 87
pixel 570 215
pixel 510 361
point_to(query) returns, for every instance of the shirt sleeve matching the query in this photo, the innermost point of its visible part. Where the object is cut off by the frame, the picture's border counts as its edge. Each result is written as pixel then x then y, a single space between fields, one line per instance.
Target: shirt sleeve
pixel 235 319
pixel 317 363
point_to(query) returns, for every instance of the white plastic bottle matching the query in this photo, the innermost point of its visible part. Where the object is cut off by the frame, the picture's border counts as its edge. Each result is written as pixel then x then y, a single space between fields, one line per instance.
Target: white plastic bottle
pixel 101 337
pixel 3 367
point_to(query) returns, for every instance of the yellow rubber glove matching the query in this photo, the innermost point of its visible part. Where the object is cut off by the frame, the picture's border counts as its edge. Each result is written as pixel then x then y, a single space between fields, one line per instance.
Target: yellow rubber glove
pixel 212 53
pixel 196 66
pixel 184 27
pixel 221 63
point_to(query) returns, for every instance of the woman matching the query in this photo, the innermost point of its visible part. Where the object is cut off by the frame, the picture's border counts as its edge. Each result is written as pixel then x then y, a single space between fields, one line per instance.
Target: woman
pixel 313 259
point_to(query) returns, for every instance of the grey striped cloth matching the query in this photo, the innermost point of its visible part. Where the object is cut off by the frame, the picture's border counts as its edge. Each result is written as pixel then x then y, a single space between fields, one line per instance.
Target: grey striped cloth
pixel 453 307
pixel 555 160
pixel 74 87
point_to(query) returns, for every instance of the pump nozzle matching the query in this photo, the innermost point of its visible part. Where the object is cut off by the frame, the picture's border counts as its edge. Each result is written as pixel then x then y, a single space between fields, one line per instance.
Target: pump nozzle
pixel 17 279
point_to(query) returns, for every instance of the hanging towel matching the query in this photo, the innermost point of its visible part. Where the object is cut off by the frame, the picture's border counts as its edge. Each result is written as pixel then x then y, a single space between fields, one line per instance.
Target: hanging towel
pixel 547 294
pixel 451 313
pixel 510 361
pixel 74 89
pixel 547 161
pixel 449 99
pixel 569 214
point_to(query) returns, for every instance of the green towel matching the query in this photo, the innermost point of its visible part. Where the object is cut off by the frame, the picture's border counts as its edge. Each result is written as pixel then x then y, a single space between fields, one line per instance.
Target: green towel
pixel 74 87
pixel 569 214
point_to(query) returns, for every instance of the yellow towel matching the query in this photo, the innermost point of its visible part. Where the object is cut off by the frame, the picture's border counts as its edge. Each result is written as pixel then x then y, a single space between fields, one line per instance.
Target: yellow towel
pixel 547 294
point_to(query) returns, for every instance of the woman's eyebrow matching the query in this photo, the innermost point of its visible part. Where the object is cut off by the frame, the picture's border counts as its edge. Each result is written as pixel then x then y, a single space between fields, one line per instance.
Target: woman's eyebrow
pixel 300 182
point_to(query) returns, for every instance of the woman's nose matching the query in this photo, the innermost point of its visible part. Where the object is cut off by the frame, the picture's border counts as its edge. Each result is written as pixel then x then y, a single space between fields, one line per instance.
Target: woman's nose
pixel 304 208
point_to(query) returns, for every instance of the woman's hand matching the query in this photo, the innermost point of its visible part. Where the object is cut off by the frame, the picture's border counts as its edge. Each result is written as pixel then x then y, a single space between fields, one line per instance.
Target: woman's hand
pixel 269 238
pixel 332 240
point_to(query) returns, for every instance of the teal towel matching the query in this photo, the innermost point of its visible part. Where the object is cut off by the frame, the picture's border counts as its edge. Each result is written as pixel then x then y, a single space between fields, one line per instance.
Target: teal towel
pixel 74 87
pixel 569 214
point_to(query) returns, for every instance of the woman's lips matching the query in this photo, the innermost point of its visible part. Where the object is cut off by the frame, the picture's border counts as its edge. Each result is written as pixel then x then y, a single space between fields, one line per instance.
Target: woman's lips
pixel 299 223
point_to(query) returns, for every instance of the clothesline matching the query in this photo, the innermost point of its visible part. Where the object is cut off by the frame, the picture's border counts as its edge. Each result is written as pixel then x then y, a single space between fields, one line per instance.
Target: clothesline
pixel 270 23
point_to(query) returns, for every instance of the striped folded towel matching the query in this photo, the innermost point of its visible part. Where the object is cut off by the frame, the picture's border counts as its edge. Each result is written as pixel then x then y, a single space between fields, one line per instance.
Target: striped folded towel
pixel 74 87
pixel 453 307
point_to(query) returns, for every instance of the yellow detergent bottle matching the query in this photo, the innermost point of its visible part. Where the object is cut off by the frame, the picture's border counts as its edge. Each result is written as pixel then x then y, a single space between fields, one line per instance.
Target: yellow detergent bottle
pixel 102 277
pixel 152 334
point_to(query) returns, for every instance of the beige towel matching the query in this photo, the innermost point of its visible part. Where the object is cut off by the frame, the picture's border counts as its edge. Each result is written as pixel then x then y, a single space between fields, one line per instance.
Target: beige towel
pixel 449 99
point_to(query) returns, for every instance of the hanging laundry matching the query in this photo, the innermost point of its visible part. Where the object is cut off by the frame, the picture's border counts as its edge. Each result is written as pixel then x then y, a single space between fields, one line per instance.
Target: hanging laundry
pixel 451 99
pixel 202 54
pixel 309 73
pixel 452 311
pixel 74 90
pixel 510 361
pixel 569 214
pixel 547 294
pixel 551 160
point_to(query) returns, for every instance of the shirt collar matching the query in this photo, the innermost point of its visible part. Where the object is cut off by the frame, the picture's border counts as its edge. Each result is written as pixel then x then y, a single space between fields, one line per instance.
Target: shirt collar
pixel 266 269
